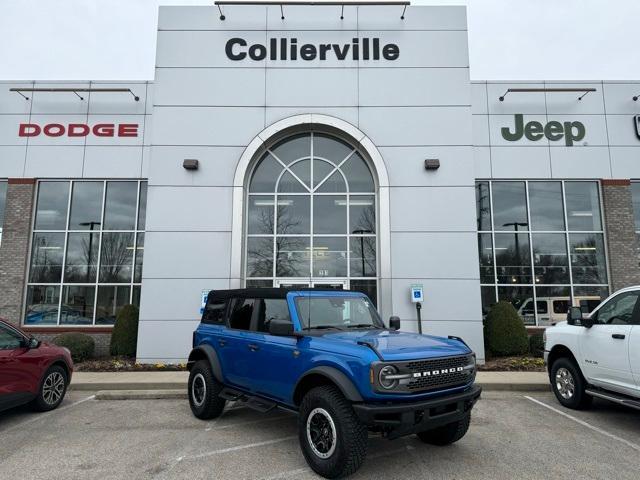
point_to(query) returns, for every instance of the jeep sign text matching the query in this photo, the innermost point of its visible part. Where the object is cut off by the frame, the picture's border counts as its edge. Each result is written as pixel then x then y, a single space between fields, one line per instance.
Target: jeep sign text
pixel 288 49
pixel 553 130
pixel 78 130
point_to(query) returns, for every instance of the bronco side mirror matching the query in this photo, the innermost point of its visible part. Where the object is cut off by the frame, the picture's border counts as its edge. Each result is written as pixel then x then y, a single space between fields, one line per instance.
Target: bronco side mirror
pixel 282 328
pixel 574 316
pixel 394 323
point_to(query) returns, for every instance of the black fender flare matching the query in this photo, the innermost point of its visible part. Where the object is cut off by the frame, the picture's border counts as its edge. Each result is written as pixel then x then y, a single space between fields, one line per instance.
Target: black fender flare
pixel 343 382
pixel 209 353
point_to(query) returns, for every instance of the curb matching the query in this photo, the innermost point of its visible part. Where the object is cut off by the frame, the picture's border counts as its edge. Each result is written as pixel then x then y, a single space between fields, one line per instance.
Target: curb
pixel 143 392
pixel 127 386
pixel 163 394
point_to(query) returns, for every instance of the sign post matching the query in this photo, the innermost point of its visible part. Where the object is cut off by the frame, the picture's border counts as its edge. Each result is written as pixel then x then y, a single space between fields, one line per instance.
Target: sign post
pixel 417 297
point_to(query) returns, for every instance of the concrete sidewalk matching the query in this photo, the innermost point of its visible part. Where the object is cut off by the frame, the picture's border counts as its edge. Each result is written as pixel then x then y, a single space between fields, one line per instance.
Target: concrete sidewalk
pixel 121 385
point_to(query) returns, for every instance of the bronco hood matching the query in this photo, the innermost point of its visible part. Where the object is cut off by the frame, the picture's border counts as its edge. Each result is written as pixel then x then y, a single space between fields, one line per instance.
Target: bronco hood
pixel 402 345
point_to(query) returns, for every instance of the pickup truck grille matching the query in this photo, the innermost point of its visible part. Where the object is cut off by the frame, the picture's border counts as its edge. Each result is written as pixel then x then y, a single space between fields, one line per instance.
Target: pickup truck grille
pixel 428 374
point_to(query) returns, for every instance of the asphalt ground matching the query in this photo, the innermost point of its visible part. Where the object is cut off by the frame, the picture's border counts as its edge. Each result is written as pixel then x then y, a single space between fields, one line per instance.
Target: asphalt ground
pixel 512 436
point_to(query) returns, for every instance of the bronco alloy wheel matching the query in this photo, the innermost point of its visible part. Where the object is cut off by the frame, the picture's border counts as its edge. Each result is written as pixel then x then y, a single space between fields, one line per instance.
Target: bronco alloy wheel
pixel 332 440
pixel 203 392
pixel 568 384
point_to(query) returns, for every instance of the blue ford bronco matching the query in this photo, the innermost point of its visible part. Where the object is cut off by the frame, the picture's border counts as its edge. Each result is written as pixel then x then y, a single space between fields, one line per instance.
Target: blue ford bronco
pixel 327 355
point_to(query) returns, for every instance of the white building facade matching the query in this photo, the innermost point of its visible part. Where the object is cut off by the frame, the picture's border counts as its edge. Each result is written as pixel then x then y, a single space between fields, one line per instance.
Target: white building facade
pixel 312 150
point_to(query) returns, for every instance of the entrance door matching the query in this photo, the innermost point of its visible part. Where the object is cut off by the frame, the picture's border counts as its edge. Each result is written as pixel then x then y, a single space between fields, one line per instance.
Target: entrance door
pixel 335 283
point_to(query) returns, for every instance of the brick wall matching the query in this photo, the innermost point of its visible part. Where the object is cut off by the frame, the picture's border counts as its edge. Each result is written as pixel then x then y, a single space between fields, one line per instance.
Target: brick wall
pixel 15 247
pixel 621 237
pixel 103 340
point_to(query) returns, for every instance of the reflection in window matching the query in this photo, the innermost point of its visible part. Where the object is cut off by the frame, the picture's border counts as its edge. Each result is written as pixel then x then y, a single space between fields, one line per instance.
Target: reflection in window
pixel 587 258
pixel 102 269
pixel 513 258
pixel 510 206
pixel 550 258
pixel 311 213
pixel 583 206
pixel 555 262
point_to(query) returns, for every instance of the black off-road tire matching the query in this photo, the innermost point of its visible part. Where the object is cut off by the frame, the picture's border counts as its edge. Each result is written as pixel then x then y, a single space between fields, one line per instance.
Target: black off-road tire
pixel 351 441
pixel 53 388
pixel 578 400
pixel 446 434
pixel 204 404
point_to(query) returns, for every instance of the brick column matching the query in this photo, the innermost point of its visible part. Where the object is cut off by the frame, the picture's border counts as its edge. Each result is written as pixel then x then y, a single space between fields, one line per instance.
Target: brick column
pixel 621 237
pixel 15 247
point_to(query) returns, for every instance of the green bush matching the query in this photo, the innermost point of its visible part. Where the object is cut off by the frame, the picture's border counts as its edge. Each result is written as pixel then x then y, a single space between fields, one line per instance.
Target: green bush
pixel 536 345
pixel 504 331
pixel 124 337
pixel 81 345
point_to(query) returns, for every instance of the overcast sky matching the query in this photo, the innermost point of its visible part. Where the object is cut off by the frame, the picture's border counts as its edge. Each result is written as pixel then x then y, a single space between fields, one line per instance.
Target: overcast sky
pixel 509 39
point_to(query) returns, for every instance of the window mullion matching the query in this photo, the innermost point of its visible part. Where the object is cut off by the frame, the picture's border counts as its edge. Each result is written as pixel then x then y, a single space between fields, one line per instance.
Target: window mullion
pixel 64 250
pixel 99 259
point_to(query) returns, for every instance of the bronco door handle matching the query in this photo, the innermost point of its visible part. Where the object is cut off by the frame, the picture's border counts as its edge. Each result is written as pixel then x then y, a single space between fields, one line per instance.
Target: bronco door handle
pixel 222 343
pixel 618 336
pixel 253 347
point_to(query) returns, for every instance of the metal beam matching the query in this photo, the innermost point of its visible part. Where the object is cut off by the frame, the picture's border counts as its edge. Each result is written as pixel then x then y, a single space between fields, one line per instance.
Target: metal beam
pixel 75 91
pixel 584 91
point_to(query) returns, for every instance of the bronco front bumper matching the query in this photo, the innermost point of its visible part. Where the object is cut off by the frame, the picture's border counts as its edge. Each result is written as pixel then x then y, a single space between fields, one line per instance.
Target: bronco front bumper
pixel 400 419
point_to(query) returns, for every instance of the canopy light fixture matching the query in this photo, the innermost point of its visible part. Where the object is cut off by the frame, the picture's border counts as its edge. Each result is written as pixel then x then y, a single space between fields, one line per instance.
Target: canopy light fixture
pixel 401 3
pixel 20 91
pixel 584 91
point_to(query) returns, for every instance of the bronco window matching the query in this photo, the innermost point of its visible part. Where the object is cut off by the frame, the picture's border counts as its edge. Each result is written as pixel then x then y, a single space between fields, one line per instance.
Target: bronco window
pixel 337 312
pixel 241 313
pixel 271 309
pixel 214 312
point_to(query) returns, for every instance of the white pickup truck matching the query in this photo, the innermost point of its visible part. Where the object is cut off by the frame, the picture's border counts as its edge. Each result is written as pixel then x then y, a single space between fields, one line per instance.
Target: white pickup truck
pixel 597 354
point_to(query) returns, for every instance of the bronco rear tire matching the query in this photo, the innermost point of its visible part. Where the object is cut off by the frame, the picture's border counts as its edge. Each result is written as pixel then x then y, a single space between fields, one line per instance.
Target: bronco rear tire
pixel 447 434
pixel 203 391
pixel 332 439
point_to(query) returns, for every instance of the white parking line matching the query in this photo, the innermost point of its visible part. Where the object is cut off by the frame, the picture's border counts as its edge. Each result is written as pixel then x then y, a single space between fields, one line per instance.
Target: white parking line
pixel 234 449
pixel 47 414
pixel 585 424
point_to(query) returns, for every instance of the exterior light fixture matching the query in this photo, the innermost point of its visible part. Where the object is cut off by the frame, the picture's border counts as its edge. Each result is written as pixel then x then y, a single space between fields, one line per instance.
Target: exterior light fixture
pixel 190 164
pixel 432 164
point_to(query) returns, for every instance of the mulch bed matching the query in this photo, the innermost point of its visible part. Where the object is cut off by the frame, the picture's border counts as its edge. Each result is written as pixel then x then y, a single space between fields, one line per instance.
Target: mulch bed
pixel 513 364
pixel 125 364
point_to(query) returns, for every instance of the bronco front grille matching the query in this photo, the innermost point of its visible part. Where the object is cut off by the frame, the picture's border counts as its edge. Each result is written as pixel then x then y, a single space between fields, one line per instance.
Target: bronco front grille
pixel 439 373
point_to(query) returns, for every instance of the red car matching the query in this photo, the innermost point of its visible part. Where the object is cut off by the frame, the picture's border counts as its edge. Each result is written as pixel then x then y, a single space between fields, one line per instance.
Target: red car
pixel 31 371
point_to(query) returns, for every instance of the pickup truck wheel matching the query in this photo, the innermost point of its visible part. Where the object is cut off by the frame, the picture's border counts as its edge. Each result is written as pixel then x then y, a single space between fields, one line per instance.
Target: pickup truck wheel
pixel 447 434
pixel 332 439
pixel 569 385
pixel 203 392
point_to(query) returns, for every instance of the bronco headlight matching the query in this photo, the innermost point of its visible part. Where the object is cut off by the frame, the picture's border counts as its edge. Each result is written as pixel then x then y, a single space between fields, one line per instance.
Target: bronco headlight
pixel 386 377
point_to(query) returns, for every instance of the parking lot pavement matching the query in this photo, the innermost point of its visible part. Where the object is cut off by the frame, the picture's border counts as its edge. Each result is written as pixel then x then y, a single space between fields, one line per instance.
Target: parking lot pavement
pixel 512 436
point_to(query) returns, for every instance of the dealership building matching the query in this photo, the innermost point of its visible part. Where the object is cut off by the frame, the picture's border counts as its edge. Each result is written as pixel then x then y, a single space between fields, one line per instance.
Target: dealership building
pixel 324 146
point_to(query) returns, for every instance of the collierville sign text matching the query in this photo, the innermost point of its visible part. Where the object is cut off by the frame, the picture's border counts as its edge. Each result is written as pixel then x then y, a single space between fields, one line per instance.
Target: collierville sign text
pixel 288 49
pixel 78 130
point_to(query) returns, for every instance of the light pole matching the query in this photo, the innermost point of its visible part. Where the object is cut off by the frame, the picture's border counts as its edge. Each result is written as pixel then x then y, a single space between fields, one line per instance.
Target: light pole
pixel 91 225
pixel 515 226
pixel 361 232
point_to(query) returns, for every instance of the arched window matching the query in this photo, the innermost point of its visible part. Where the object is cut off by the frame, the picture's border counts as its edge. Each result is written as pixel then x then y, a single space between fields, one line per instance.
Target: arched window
pixel 311 216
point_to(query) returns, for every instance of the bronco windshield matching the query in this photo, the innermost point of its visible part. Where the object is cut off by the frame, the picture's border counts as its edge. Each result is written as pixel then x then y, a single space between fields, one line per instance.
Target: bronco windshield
pixel 337 312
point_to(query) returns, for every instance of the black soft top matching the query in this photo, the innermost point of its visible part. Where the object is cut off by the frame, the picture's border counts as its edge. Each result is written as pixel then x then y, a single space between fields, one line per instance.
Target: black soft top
pixel 221 295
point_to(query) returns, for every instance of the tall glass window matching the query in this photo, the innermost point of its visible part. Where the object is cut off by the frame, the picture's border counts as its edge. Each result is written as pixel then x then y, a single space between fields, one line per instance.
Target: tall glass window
pixel 541 246
pixel 86 251
pixel 3 203
pixel 311 216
